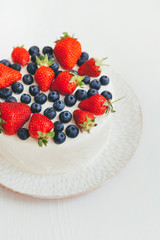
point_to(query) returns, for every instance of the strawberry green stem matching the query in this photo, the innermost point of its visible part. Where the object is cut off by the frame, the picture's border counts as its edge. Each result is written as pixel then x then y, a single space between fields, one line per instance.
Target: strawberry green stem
pixel 77 79
pixel 43 137
pixel 109 105
pixel 66 35
pixel 1 128
pixel 87 125
pixel 44 61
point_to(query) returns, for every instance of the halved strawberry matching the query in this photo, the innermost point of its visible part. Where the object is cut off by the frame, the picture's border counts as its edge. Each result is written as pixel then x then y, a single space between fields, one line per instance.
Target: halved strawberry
pixel 20 55
pixel 67 51
pixel 8 76
pixel 41 128
pixel 44 75
pixel 84 120
pixel 13 116
pixel 66 82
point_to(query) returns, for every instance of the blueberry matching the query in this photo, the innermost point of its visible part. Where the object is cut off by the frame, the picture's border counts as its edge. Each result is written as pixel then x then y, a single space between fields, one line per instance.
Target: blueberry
pixel 80 61
pixel 34 89
pixel 55 66
pixel 6 62
pixel 69 100
pixel 53 96
pixel 57 72
pixel 25 98
pixel 65 116
pixel 31 68
pixel 16 66
pixel 49 55
pixel 11 99
pixel 34 50
pixel 86 79
pixel 107 94
pixel 50 113
pixel 72 131
pixel 95 84
pixel 27 79
pixel 58 126
pixel 47 49
pixel 33 57
pixel 5 93
pixel 36 108
pixel 74 71
pixel 80 94
pixel 17 87
pixel 23 134
pixel 104 80
pixel 40 98
pixel 59 105
pixel 92 92
pixel 59 137
pixel 84 56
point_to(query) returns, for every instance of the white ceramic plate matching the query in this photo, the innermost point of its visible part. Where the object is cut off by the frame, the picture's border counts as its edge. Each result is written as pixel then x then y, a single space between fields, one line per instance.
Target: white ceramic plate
pixel 123 140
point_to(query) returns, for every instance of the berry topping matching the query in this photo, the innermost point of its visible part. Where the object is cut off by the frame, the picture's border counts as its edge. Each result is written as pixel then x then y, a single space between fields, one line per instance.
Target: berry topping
pixel 53 96
pixel 20 55
pixel 59 137
pixel 58 126
pixel 40 98
pixel 69 100
pixel 84 120
pixel 55 66
pixel 80 61
pixel 85 56
pixel 104 80
pixel 25 98
pixel 80 94
pixel 6 62
pixel 36 108
pixel 32 67
pixel 50 113
pixel 17 87
pixel 95 84
pixel 47 49
pixel 16 67
pixel 59 105
pixel 92 92
pixel 65 116
pixel 107 95
pixel 33 57
pixel 34 89
pixel 27 79
pixel 34 50
pixel 11 99
pixel 5 93
pixel 86 79
pixel 23 134
pixel 72 131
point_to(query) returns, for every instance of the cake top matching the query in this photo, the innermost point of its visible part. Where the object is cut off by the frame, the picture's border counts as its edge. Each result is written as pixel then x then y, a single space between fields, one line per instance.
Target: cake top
pixel 42 91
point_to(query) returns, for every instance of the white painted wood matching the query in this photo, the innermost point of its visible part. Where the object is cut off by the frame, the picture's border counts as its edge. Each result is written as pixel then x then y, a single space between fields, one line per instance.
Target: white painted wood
pixel 128 207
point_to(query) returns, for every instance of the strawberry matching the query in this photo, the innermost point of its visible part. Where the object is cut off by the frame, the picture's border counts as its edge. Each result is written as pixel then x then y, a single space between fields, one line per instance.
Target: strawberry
pixel 96 104
pixel 41 128
pixel 92 67
pixel 13 116
pixel 8 76
pixel 84 120
pixel 67 51
pixel 66 82
pixel 20 55
pixel 44 75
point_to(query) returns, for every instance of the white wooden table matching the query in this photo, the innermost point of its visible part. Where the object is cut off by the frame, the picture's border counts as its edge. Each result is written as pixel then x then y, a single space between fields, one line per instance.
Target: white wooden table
pixel 128 32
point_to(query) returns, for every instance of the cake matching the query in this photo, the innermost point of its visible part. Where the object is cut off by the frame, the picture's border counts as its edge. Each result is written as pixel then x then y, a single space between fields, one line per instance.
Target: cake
pixel 75 151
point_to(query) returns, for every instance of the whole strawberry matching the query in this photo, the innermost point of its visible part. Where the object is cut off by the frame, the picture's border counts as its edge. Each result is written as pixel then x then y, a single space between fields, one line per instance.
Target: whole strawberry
pixel 84 120
pixel 20 55
pixel 96 104
pixel 44 75
pixel 8 76
pixel 92 67
pixel 67 51
pixel 66 82
pixel 13 116
pixel 41 128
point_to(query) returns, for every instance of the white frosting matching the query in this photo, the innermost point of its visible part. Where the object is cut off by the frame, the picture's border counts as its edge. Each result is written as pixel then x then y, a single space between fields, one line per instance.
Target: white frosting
pixel 54 159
